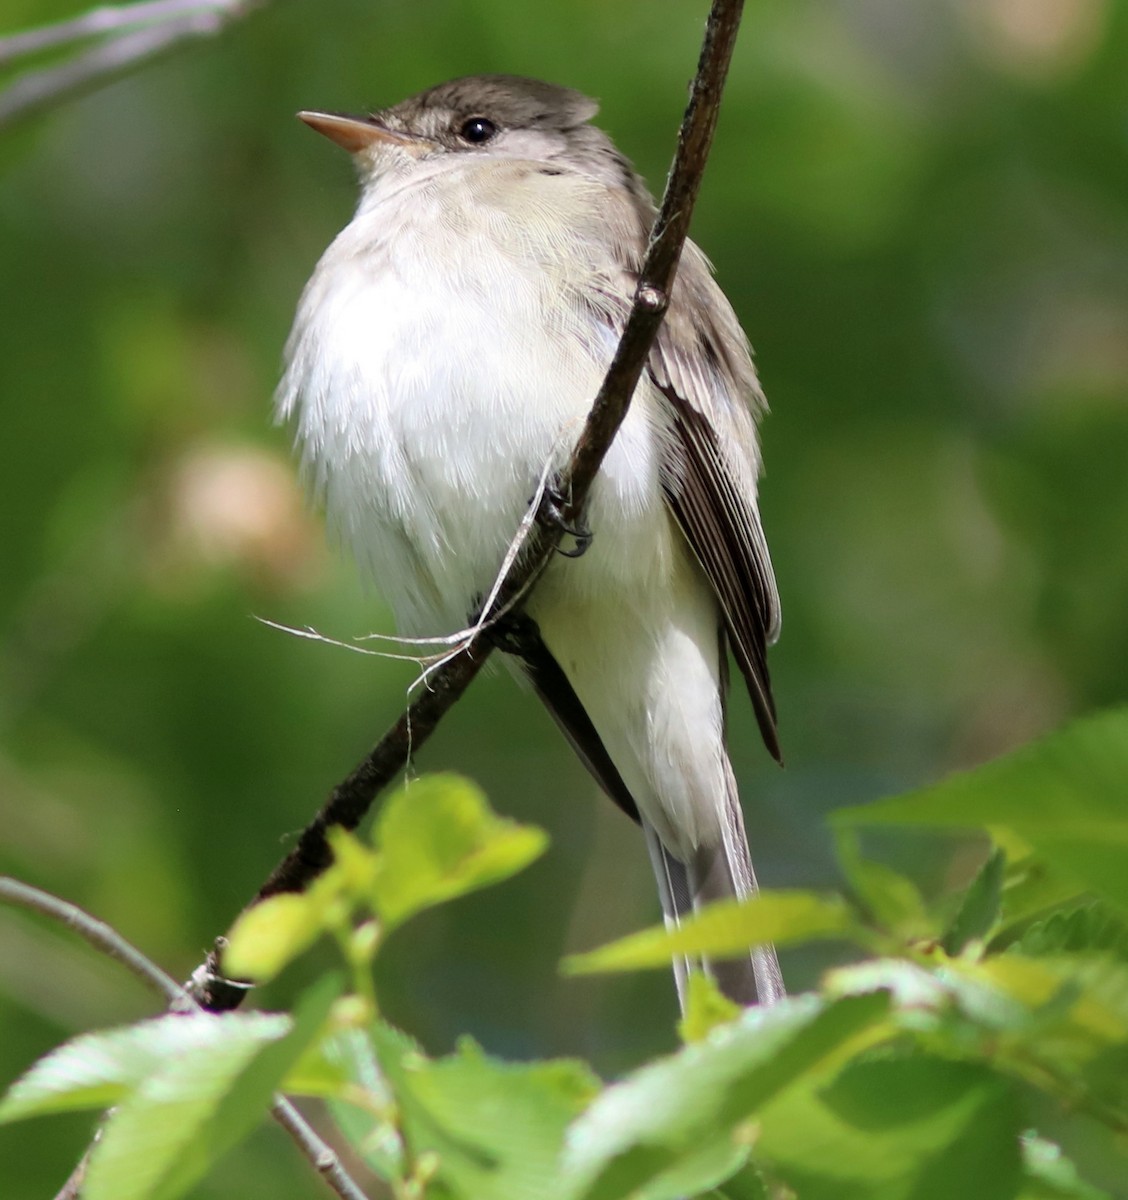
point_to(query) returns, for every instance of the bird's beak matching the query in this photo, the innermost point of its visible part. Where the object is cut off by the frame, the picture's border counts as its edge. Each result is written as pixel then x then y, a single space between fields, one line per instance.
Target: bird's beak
pixel 358 133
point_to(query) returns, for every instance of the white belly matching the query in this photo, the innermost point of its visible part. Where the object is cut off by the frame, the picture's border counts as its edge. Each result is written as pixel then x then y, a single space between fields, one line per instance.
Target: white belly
pixel 427 411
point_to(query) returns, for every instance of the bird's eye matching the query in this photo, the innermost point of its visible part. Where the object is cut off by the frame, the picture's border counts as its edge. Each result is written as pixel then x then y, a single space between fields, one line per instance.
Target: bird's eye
pixel 477 130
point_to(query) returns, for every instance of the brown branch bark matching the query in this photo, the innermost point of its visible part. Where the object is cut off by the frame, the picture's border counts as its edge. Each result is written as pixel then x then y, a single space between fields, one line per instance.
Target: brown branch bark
pixel 352 798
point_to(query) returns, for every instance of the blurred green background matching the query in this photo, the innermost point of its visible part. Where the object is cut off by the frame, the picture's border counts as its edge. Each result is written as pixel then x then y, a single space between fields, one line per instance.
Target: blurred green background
pixel 920 212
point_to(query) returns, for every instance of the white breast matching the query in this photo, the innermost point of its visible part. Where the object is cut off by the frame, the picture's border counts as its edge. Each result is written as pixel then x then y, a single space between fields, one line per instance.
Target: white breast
pixel 439 359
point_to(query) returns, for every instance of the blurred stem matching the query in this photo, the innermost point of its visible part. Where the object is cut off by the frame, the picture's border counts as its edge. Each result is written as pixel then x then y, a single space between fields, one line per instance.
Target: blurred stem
pixel 164 24
pixel 100 935
pixel 102 20
pixel 359 947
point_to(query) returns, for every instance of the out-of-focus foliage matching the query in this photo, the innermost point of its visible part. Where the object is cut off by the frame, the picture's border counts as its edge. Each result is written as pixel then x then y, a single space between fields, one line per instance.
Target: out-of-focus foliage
pixel 921 213
pixel 970 1065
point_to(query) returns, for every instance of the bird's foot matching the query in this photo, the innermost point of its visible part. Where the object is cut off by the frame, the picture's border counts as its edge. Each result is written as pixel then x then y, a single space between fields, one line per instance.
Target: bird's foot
pixel 550 516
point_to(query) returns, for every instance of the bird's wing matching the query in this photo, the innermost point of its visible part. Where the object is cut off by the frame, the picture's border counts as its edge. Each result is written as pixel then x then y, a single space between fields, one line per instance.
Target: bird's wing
pixel 710 399
pixel 702 368
pixel 558 696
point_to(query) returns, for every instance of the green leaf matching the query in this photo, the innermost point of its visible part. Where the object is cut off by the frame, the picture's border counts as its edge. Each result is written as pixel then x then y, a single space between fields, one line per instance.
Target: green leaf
pixel 97 1070
pixel 706 1007
pixel 438 840
pixel 345 1071
pixel 186 1089
pixel 682 1125
pixel 1064 794
pixel 1086 928
pixel 891 899
pixel 1031 888
pixel 182 1118
pixel 726 928
pixel 268 936
pixel 900 1127
pixel 979 910
pixel 496 1128
pixel 910 986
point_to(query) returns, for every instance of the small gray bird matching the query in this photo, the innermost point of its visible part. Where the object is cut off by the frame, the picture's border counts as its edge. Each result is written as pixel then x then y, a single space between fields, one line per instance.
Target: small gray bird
pixel 447 350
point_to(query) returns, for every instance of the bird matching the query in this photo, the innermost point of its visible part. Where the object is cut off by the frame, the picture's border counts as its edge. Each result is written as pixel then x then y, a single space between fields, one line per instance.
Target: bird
pixel 443 357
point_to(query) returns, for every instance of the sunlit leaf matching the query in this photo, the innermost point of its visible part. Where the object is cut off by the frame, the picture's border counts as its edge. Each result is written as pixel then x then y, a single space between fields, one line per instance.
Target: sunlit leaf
pixel 354 864
pixel 726 928
pixel 682 1125
pixel 439 839
pixel 173 1126
pixel 100 1069
pixel 1031 888
pixel 270 935
pixel 497 1128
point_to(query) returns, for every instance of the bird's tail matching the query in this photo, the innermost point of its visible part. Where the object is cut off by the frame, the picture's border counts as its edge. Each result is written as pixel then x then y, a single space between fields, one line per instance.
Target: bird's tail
pixel 716 873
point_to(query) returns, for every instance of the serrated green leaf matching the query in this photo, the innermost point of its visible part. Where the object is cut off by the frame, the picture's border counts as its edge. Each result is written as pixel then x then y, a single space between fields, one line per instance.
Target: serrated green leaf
pixel 497 1128
pixel 100 1069
pixel 190 1110
pixel 681 1125
pixel 1064 794
pixel 1031 888
pixel 155 1130
pixel 904 1127
pixel 726 928
pixel 979 910
pixel 438 839
pixel 1087 928
pixel 1061 1024
pixel 706 1007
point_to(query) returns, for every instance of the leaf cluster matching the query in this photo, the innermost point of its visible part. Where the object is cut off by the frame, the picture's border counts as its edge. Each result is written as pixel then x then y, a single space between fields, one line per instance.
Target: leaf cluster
pixel 977 1039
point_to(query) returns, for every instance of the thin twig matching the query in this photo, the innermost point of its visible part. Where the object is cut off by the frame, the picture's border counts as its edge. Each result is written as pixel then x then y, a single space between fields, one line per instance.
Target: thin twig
pixel 109 18
pixel 111 58
pixel 100 935
pixel 326 1161
pixel 351 799
pixel 106 939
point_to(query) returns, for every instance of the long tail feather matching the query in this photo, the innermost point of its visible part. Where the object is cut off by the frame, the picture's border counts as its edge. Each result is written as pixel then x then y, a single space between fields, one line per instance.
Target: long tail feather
pixel 719 873
pixel 724 872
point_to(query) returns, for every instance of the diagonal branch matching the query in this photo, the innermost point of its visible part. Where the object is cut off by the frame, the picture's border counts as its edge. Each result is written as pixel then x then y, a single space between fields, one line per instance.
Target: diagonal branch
pixel 132 36
pixel 105 938
pixel 352 798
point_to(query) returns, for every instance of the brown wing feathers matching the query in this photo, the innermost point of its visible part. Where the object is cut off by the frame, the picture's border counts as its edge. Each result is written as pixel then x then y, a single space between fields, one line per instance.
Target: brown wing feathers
pixel 724 534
